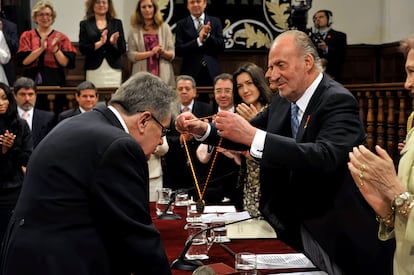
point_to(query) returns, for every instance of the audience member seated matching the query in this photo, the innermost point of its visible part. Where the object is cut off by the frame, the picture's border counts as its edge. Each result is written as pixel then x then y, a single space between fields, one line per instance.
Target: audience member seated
pixel 177 170
pixel 222 185
pixel 43 51
pixel 40 122
pixel 252 94
pixel 16 148
pixel 150 42
pixel 102 41
pixel 87 97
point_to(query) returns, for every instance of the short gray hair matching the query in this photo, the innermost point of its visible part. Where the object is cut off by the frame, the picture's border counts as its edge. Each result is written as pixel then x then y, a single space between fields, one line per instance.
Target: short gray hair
pixel 304 44
pixel 186 77
pixel 146 92
pixel 407 44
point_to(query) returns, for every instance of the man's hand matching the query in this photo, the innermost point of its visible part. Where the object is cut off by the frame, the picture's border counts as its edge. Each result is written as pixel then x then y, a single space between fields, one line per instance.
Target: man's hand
pixel 187 123
pixel 235 128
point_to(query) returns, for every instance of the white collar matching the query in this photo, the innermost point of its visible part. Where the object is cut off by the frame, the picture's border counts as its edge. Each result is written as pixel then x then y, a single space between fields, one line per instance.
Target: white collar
pixel 21 111
pixel 303 101
pixel 119 117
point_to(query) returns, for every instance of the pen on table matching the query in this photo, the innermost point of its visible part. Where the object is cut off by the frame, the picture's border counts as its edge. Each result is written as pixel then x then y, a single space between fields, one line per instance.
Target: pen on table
pixel 227 249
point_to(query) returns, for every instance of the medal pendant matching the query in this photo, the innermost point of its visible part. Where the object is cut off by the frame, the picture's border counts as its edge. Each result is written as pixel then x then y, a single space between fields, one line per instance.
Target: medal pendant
pixel 200 206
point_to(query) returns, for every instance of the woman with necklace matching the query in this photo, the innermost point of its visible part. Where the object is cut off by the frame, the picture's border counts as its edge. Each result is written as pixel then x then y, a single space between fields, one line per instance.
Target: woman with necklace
pixel 150 42
pixel 45 52
pixel 102 41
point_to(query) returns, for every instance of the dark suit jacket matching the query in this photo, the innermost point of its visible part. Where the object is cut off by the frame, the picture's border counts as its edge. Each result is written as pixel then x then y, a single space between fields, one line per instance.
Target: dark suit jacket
pixel 68 113
pixel 89 34
pixel 84 205
pixel 42 123
pixel 177 173
pixel 12 39
pixel 306 182
pixel 186 46
pixel 336 55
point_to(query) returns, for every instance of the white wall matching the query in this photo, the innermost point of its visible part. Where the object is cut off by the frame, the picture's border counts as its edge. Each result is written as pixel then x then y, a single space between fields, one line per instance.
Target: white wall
pixel 364 21
pixel 370 21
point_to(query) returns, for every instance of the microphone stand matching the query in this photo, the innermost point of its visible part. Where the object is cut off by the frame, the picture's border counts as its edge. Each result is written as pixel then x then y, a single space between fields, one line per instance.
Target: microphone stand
pixel 181 263
pixel 169 216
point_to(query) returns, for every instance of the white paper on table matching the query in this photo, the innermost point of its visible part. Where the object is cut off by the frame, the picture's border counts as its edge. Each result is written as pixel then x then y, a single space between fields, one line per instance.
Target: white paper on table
pixel 219 209
pixel 303 273
pixel 251 229
pixel 227 217
pixel 290 260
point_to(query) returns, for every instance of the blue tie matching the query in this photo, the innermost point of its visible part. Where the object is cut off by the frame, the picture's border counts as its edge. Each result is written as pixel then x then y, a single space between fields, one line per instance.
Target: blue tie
pixel 294 118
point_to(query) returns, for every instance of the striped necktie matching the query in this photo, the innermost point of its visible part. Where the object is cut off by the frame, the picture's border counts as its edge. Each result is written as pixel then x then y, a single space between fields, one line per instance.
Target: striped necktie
pixel 200 25
pixel 294 119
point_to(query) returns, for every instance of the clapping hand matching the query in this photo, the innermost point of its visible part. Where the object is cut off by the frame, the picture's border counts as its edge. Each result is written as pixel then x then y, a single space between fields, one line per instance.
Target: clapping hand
pixel 246 111
pixel 114 38
pixel 7 141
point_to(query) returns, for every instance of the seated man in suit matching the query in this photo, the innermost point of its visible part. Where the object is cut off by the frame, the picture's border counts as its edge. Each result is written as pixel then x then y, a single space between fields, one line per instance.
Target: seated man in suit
pixel 86 95
pixel 222 186
pixel 177 171
pixel 40 122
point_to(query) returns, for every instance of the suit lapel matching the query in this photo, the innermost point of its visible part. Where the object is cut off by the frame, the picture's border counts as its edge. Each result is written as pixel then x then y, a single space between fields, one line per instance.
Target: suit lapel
pixel 310 109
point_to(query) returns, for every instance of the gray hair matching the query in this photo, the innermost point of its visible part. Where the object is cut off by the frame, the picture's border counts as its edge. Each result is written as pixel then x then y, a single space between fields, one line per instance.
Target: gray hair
pixel 304 44
pixel 146 92
pixel 85 85
pixel 186 77
pixel 24 83
pixel 407 44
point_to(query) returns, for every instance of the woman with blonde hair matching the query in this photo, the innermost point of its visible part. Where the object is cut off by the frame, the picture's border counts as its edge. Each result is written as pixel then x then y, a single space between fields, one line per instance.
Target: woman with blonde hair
pixel 43 51
pixel 150 42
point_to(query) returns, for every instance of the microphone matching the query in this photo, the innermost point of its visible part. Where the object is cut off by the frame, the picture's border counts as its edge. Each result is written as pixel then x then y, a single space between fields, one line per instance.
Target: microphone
pixel 169 216
pixel 181 263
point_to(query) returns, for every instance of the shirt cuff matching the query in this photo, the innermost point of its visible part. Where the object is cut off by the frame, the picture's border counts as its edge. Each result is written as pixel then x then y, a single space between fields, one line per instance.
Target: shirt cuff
pixel 206 134
pixel 256 150
pixel 199 43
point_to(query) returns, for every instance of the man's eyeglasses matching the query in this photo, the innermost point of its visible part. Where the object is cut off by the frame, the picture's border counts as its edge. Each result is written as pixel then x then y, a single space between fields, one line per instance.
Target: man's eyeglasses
pixel 164 130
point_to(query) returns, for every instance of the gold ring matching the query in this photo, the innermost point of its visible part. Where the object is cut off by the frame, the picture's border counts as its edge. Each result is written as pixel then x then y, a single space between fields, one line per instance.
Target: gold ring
pixel 361 176
pixel 363 167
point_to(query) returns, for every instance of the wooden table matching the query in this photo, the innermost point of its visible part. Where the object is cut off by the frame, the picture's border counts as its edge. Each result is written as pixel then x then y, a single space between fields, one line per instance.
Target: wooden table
pixel 174 237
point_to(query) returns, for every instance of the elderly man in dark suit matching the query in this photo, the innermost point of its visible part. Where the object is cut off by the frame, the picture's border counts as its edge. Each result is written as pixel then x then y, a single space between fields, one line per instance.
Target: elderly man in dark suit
pixel 86 95
pixel 177 172
pixel 84 205
pixel 40 122
pixel 302 141
pixel 199 40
